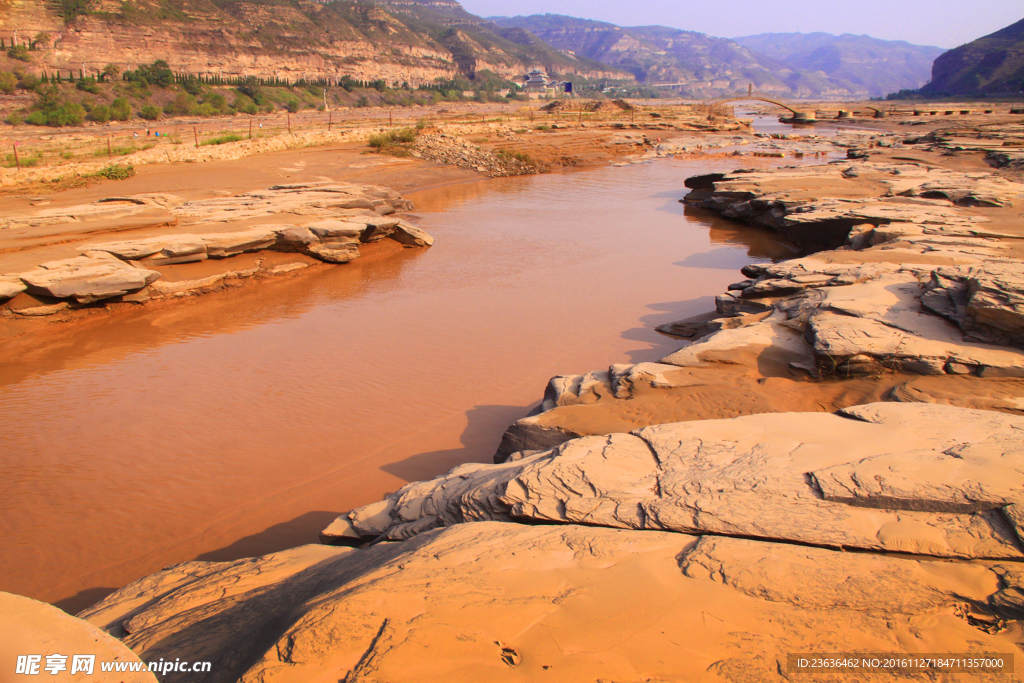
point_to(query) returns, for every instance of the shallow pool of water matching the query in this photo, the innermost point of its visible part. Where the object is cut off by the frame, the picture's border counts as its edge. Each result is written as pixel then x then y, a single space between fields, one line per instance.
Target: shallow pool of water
pixel 243 422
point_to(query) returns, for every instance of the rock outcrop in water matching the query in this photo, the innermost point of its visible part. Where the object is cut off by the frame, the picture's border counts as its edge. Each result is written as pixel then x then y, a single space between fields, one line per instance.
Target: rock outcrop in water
pixel 339 219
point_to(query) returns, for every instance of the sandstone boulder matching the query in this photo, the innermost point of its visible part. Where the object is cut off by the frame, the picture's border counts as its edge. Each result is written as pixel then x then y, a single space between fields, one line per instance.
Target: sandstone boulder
pixel 756 476
pixel 87 279
pixel 986 301
pixel 411 236
pixel 10 287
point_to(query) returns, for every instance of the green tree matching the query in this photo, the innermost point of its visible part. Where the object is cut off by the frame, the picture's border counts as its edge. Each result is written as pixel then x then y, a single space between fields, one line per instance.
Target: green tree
pixel 111 71
pixel 150 112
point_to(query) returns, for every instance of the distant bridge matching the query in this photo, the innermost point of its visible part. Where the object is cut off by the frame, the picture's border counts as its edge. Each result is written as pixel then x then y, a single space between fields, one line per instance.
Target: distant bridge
pixel 747 98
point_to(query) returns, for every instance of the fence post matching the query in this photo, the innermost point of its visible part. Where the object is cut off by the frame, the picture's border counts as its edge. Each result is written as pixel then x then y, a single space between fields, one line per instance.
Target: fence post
pixel 110 153
pixel 195 133
pixel 250 128
pixel 289 123
pixel 17 161
pixel 330 120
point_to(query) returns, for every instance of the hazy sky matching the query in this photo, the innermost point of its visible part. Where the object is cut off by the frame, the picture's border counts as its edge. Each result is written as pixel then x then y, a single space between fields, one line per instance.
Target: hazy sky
pixel 945 23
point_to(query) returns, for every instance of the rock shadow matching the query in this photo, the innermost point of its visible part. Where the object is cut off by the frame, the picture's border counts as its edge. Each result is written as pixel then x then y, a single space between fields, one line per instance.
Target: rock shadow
pixel 302 530
pixel 485 426
pixel 83 599
pixel 665 312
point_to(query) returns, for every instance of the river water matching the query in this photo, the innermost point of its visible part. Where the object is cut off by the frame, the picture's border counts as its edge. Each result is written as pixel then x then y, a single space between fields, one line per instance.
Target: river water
pixel 243 422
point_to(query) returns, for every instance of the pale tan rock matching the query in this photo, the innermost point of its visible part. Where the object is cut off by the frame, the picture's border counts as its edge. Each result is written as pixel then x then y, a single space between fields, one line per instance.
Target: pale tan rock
pixel 747 477
pixel 334 252
pixel 39 311
pixel 744 345
pixel 819 579
pixel 498 601
pixel 28 627
pixel 234 243
pixel 411 236
pixel 87 279
pixel 337 231
pixel 10 287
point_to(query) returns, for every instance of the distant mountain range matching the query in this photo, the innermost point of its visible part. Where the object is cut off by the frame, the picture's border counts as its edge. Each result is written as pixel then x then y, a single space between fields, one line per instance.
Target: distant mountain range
pixel 858 63
pixel 786 65
pixel 993 65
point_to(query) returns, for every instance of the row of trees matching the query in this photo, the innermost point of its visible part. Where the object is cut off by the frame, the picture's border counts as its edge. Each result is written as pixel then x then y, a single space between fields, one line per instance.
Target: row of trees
pixel 41 38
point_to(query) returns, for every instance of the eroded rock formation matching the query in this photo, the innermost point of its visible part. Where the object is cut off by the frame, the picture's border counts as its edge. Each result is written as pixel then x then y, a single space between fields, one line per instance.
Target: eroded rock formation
pixel 339 219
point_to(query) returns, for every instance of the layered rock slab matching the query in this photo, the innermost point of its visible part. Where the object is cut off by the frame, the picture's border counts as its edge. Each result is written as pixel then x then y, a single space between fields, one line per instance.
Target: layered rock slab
pixel 764 476
pixel 508 602
pixel 346 217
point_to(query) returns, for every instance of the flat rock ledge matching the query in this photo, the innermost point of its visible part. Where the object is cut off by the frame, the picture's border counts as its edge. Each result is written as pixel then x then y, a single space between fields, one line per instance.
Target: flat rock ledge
pixel 694 551
pixel 342 218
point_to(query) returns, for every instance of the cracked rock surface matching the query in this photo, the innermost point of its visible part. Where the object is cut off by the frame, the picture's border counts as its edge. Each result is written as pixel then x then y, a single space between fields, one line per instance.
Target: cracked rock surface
pixel 938 489
pixel 583 603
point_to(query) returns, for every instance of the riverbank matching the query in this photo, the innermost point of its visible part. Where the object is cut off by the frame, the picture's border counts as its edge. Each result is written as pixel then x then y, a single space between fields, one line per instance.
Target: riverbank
pixel 58 212
pixel 675 531
pixel 719 542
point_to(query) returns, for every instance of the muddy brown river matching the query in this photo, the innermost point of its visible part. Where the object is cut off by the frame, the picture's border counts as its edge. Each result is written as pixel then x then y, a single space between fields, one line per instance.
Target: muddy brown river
pixel 243 422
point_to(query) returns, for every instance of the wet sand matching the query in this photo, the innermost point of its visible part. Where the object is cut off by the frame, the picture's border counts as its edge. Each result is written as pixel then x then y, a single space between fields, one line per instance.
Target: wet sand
pixel 241 423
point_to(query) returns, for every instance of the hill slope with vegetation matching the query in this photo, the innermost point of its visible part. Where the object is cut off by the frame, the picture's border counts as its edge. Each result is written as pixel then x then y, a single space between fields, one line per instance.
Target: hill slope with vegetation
pixel 988 66
pixel 397 42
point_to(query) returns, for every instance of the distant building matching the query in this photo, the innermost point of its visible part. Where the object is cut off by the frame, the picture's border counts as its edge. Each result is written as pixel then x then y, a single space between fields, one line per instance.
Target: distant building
pixel 537 80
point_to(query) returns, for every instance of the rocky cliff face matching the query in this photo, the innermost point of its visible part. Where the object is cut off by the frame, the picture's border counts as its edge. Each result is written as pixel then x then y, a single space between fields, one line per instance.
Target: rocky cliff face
pixel 988 66
pixel 398 42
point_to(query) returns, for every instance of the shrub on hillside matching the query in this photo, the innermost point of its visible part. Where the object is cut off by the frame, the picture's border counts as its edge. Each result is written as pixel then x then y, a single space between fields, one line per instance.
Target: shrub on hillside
pixel 183 104
pixel 19 52
pixel 158 73
pixel 8 82
pixel 100 114
pixel 88 85
pixel 67 114
pixel 116 172
pixel 244 104
pixel 120 109
pixel 217 101
pixel 150 112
